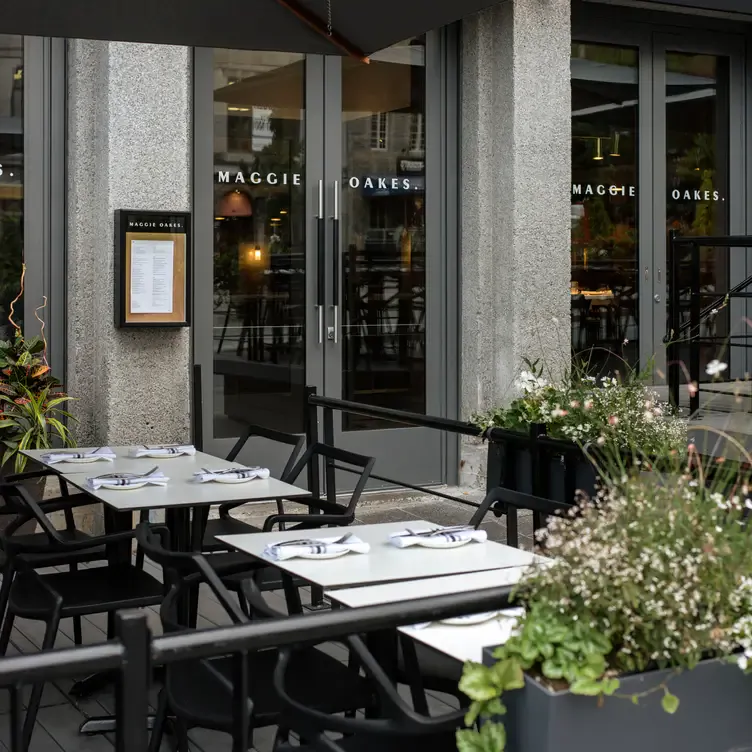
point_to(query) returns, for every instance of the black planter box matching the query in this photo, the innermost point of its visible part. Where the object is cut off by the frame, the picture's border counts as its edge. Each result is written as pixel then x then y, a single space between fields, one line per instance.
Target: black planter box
pixel 713 716
pixel 516 468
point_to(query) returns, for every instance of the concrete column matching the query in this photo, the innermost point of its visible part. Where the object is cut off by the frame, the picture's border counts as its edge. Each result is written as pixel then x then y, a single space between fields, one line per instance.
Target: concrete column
pixel 129 147
pixel 516 184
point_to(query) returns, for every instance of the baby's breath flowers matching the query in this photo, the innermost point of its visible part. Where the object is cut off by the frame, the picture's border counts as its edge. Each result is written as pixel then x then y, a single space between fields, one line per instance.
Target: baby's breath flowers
pixel 622 413
pixel 663 569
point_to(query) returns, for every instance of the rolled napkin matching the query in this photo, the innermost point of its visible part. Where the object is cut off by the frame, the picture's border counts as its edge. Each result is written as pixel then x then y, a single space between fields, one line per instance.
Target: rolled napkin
pixel 123 480
pixel 437 536
pixel 235 473
pixel 162 450
pixel 102 453
pixel 290 549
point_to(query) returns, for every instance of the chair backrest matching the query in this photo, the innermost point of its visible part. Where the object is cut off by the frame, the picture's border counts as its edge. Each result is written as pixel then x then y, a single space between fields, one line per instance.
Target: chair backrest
pixel 18 500
pixel 183 572
pixel 397 717
pixel 505 501
pixel 297 442
pixel 336 459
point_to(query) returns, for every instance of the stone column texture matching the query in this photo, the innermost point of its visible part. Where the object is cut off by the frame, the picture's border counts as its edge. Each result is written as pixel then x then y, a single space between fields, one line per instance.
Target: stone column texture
pixel 516 184
pixel 129 147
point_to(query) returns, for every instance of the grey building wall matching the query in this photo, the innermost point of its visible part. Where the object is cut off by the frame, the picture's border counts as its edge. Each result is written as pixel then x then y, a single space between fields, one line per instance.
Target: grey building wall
pixel 515 214
pixel 129 147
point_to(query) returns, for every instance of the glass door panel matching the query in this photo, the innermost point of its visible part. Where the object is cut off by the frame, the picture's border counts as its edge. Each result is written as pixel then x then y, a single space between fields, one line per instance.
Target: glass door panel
pixel 259 317
pixel 605 249
pixel 383 232
pixel 697 176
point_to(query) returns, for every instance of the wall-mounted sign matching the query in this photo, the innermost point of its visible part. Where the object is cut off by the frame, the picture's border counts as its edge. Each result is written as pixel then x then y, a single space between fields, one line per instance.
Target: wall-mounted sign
pixel 152 268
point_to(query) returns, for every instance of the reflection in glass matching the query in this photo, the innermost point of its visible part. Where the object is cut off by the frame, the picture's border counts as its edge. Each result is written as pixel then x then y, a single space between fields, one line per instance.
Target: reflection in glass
pixel 697 162
pixel 11 178
pixel 383 231
pixel 604 287
pixel 259 240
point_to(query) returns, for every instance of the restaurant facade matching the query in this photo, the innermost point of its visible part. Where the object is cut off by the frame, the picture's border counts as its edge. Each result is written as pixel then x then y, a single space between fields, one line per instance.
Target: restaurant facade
pixel 401 233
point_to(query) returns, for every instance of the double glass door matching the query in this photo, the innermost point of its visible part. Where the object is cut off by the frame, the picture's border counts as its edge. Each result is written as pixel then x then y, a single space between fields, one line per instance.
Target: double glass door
pixel 657 145
pixel 319 272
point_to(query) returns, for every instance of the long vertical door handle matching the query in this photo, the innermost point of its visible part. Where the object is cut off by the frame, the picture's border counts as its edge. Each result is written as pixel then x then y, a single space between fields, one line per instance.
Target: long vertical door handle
pixel 336 265
pixel 320 259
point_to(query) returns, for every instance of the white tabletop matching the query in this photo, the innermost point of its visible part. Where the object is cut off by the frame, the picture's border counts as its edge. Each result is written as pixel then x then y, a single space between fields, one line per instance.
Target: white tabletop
pixel 463 643
pixel 123 463
pixel 182 490
pixel 384 562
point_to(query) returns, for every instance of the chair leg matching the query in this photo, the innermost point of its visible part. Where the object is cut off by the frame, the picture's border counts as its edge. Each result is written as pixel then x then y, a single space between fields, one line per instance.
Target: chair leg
pixel 110 625
pixel 8 576
pixel 5 634
pixel 155 742
pixel 36 691
pixel 77 638
pixel 181 735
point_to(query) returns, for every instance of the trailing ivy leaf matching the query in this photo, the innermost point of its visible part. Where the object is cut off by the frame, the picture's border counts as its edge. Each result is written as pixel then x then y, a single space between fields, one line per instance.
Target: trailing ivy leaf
pixel 670 703
pixel 547 650
pixel 552 670
pixel 473 712
pixel 477 682
pixel 507 675
pixel 485 740
pixel 635 700
pixel 609 686
pixel 494 707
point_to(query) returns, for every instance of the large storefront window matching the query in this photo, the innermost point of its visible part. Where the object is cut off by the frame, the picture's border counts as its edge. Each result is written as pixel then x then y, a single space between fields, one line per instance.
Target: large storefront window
pixel 604 285
pixel 11 178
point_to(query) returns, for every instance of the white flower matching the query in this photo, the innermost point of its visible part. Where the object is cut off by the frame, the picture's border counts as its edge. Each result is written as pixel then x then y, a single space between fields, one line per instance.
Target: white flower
pixel 715 367
pixel 742 662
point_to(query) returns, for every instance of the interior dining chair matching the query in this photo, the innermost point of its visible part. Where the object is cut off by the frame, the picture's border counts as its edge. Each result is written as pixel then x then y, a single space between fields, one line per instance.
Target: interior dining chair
pixel 199 693
pixel 51 597
pixel 397 727
pixel 65 503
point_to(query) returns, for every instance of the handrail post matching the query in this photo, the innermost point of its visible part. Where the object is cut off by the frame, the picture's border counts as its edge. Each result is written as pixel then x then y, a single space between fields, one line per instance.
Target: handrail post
pixel 672 351
pixel 312 437
pixel 694 330
pixel 134 678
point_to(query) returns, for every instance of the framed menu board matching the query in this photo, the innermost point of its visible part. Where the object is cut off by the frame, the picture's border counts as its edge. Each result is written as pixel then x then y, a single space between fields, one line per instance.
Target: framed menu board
pixel 152 268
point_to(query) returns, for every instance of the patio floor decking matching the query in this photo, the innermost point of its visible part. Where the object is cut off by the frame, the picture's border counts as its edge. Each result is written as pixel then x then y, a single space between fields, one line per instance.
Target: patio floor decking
pixel 60 714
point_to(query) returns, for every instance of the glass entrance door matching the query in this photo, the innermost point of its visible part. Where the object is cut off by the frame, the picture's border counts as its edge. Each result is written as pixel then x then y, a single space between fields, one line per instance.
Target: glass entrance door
pixel 319 271
pixel 657 145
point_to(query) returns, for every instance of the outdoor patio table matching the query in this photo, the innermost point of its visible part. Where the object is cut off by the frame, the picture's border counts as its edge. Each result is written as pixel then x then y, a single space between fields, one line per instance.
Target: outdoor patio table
pixel 461 642
pixel 384 562
pixel 177 498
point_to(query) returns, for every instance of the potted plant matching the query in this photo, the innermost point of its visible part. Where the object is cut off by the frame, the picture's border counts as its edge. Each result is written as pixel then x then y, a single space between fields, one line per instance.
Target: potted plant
pixel 634 634
pixel 609 415
pixel 31 398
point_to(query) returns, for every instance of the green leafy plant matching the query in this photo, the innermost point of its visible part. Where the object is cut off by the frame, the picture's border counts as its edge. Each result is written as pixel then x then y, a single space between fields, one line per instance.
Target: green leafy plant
pixel 649 574
pixel 31 398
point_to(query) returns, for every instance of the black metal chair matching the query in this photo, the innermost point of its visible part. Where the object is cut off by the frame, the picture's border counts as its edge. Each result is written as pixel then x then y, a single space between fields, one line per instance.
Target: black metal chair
pixel 226 524
pixel 52 597
pixel 398 727
pixel 322 513
pixel 65 503
pixel 200 693
pixel 504 501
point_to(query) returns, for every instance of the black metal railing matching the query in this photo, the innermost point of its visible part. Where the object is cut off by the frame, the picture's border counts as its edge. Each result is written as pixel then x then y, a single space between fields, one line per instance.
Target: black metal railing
pixel 134 653
pixel 699 306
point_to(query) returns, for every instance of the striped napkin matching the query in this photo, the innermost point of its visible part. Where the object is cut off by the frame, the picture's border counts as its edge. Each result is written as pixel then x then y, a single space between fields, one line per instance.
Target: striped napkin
pixel 120 480
pixel 291 549
pixel 436 537
pixel 162 450
pixel 234 473
pixel 102 453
